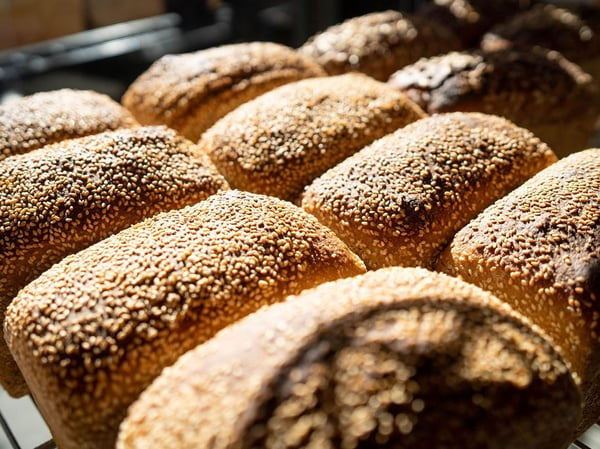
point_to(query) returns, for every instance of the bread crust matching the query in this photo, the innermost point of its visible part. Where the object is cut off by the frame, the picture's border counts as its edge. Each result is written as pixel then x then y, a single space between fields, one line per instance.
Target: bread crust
pixel 59 199
pixel 279 142
pixel 377 360
pixel 191 91
pixel 94 330
pixel 534 88
pixel 48 117
pixel 378 44
pixel 569 30
pixel 400 200
pixel 470 19
pixel 538 249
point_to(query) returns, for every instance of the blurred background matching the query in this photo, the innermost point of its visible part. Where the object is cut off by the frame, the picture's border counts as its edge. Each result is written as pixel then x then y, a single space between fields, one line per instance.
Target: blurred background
pixel 105 44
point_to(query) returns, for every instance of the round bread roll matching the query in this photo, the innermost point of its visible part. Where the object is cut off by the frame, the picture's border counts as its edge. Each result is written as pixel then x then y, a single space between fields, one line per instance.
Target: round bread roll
pixel 61 198
pixel 94 330
pixel 537 89
pixel 573 30
pixel 395 358
pixel 538 248
pixel 400 200
pixel 189 92
pixel 279 142
pixel 470 19
pixel 378 44
pixel 48 117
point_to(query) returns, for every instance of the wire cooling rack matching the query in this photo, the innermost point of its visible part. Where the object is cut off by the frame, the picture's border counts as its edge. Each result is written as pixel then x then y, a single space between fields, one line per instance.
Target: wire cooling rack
pixel 23 427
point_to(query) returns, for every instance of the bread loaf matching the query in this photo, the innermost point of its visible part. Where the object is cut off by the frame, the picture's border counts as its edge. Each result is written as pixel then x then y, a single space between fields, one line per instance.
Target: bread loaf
pixel 400 200
pixel 279 142
pixel 470 19
pixel 191 91
pixel 538 248
pixel 378 43
pixel 572 29
pixel 399 357
pixel 95 329
pixel 48 117
pixel 61 198
pixel 536 89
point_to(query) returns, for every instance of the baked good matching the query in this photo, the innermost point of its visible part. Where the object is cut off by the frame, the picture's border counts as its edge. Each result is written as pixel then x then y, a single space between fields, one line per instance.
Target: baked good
pixel 537 89
pixel 398 357
pixel 48 117
pixel 191 91
pixel 538 248
pixel 378 43
pixel 95 329
pixel 470 19
pixel 571 29
pixel 61 198
pixel 400 200
pixel 279 142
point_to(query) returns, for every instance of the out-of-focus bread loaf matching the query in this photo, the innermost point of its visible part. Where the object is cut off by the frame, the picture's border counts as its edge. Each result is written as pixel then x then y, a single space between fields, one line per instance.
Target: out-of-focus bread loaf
pixel 379 43
pixel 400 200
pixel 538 248
pixel 64 197
pixel 95 329
pixel 191 91
pixel 573 29
pixel 470 19
pixel 536 89
pixel 279 142
pixel 399 357
pixel 48 117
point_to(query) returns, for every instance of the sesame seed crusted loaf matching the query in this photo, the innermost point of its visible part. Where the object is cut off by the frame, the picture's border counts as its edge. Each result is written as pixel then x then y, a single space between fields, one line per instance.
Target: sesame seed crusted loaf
pixel 61 198
pixel 400 200
pixel 378 44
pixel 94 330
pixel 191 91
pixel 398 357
pixel 48 117
pixel 535 88
pixel 538 248
pixel 279 142
pixel 573 30
pixel 470 19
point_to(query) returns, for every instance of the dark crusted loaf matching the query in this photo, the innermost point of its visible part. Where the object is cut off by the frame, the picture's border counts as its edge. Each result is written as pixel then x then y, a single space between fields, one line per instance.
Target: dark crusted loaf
pixel 538 248
pixel 398 357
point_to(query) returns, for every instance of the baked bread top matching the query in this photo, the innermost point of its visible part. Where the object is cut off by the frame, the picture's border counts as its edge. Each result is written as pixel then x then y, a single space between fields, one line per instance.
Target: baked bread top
pixel 189 92
pixel 48 117
pixel 573 31
pixel 378 44
pixel 377 360
pixel 528 87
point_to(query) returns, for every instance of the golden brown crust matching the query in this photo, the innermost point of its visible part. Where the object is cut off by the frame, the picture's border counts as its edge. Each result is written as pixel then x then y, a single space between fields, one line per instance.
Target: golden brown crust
pixel 378 360
pixel 61 198
pixel 400 200
pixel 93 331
pixel 470 19
pixel 538 249
pixel 533 88
pixel 189 92
pixel 378 44
pixel 278 143
pixel 48 117
pixel 571 31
